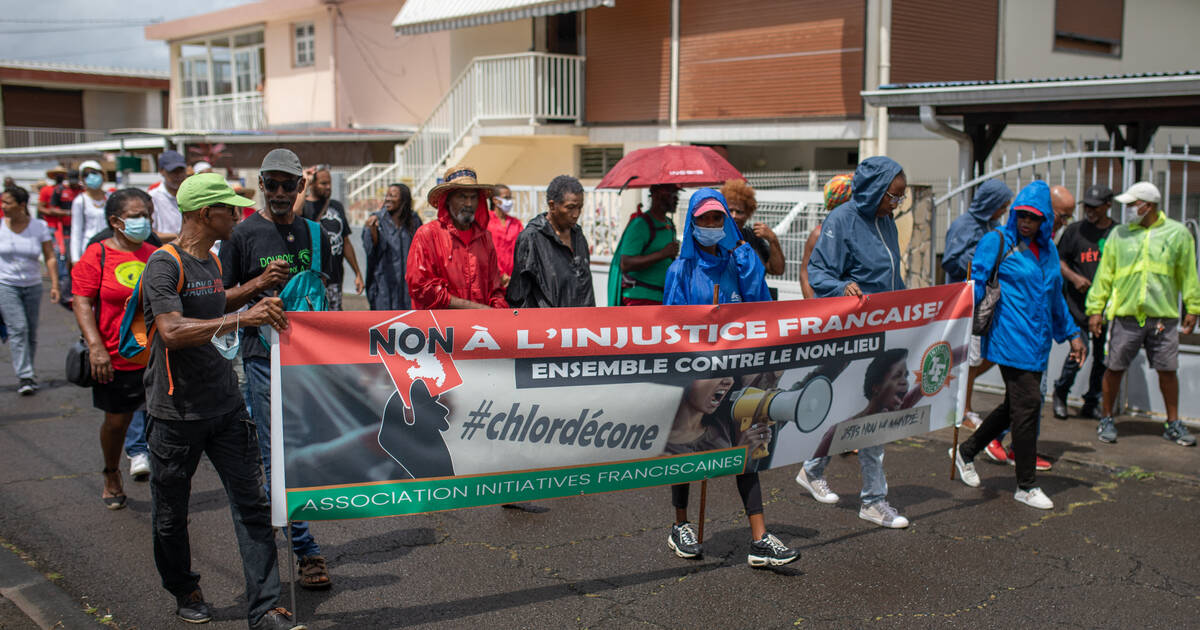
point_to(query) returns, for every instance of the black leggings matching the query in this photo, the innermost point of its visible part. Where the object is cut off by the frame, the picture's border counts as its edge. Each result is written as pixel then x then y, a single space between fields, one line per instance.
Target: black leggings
pixel 1021 412
pixel 748 488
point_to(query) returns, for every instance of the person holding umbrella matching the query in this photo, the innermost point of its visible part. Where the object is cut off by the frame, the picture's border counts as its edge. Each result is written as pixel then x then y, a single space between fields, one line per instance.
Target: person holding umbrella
pixel 647 248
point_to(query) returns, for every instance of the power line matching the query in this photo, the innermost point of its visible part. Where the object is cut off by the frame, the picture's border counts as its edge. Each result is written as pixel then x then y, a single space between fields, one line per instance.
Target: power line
pixel 76 20
pixel 70 28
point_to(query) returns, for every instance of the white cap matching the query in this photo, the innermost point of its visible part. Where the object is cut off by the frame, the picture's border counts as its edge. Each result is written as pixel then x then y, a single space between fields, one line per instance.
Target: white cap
pixel 93 164
pixel 1141 191
pixel 201 167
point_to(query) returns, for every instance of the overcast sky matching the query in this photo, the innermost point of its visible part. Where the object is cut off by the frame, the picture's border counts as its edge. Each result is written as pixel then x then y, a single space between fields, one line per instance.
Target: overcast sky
pixel 93 32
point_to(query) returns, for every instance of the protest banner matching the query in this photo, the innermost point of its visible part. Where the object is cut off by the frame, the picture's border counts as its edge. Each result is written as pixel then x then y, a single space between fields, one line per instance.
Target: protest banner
pixel 389 413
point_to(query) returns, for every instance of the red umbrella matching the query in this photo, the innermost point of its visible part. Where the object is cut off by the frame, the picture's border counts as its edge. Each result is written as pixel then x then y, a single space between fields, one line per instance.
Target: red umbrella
pixel 684 165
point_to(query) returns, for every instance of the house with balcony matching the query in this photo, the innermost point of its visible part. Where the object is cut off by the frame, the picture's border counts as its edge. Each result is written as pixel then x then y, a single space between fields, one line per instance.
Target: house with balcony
pixel 57 111
pixel 329 80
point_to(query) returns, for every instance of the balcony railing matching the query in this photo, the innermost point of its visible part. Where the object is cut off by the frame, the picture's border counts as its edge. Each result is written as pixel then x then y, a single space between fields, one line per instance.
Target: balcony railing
pixel 223 112
pixel 525 87
pixel 17 137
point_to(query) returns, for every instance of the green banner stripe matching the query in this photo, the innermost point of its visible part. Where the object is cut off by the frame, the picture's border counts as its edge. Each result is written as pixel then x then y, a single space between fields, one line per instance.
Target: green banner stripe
pixel 415 496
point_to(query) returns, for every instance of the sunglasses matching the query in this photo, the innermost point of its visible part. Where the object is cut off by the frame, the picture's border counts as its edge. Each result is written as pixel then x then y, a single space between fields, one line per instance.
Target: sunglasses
pixel 272 185
pixel 221 206
pixel 895 199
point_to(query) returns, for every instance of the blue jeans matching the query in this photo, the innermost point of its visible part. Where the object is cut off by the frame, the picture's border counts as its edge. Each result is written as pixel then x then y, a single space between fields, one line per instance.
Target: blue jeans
pixel 19 306
pixel 258 385
pixel 870 459
pixel 135 435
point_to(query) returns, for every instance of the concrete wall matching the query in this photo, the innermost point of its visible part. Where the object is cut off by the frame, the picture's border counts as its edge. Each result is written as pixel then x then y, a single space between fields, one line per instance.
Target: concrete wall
pixel 298 96
pixel 415 70
pixel 104 109
pixel 1158 36
pixel 504 38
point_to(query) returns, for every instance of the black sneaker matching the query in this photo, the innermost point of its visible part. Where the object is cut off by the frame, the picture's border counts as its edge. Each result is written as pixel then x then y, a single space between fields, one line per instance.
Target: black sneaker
pixel 277 619
pixel 1060 406
pixel 27 387
pixel 1091 412
pixel 192 608
pixel 683 541
pixel 769 551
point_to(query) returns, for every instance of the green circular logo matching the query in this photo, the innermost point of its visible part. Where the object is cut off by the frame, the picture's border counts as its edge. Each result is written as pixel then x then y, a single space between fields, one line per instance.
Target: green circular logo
pixel 935 368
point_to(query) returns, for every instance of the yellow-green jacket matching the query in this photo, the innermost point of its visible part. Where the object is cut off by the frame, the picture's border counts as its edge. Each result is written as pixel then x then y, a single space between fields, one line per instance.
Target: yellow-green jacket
pixel 1143 271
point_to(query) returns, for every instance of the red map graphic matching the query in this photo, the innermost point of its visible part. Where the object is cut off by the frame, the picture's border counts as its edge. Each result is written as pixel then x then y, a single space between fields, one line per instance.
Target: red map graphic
pixel 436 369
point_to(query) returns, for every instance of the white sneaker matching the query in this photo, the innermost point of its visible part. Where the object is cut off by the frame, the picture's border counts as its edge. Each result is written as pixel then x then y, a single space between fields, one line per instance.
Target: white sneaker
pixel 966 470
pixel 818 488
pixel 139 467
pixel 883 515
pixel 1034 497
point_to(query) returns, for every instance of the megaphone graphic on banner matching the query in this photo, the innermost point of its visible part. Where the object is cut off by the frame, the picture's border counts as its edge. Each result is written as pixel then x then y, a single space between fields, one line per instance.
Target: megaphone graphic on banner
pixel 807 407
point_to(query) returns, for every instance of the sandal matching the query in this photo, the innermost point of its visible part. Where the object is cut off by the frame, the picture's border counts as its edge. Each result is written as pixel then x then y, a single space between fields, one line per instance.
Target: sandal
pixel 313 575
pixel 114 502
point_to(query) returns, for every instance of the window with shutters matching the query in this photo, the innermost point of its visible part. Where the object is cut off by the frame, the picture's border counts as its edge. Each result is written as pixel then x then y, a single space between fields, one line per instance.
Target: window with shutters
pixel 594 162
pixel 304 43
pixel 1090 27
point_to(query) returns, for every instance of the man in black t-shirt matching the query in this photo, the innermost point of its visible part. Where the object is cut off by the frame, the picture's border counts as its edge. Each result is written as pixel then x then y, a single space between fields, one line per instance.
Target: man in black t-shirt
pixel 195 406
pixel 1079 251
pixel 331 214
pixel 267 248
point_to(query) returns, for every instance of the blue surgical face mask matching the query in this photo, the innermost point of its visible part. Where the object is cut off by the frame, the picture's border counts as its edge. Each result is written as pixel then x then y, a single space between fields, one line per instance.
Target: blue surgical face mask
pixel 708 236
pixel 229 343
pixel 137 229
pixel 93 180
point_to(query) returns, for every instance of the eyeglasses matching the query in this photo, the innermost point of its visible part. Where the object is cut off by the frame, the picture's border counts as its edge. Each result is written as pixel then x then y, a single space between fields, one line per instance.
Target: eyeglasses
pixel 272 185
pixel 895 199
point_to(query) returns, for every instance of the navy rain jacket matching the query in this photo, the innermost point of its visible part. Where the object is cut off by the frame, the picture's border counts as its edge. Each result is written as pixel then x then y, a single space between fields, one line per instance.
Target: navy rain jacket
pixel 1032 311
pixel 855 245
pixel 965 231
pixel 736 268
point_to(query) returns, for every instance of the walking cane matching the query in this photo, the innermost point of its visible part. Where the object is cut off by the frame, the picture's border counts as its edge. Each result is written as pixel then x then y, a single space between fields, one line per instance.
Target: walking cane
pixel 704 482
pixel 954 450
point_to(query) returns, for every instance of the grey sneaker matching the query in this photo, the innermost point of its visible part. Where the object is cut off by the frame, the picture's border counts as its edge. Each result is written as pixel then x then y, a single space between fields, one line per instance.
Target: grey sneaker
pixel 1107 430
pixel 883 515
pixel 770 551
pixel 27 387
pixel 818 488
pixel 683 541
pixel 1178 434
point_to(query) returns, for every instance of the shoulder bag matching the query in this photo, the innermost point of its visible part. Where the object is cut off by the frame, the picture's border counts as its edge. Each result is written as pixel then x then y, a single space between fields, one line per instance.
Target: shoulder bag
pixel 986 308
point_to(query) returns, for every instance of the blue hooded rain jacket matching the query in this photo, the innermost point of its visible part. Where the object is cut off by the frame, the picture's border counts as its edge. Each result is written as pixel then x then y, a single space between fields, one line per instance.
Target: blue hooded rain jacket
pixel 966 230
pixel 737 269
pixel 855 245
pixel 1032 311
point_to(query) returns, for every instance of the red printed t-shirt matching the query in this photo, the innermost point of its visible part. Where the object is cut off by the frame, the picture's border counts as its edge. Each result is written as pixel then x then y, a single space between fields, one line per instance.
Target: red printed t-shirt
pixel 44 197
pixel 114 286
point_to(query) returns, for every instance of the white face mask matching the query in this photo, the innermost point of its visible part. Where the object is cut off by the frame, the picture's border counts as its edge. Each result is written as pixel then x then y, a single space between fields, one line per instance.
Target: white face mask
pixel 505 205
pixel 229 343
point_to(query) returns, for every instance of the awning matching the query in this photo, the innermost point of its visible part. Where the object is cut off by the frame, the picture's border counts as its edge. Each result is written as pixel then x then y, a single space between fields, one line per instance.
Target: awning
pixel 426 16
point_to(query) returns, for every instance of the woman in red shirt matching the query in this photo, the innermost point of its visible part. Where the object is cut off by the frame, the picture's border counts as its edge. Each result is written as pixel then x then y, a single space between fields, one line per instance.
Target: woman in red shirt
pixel 102 281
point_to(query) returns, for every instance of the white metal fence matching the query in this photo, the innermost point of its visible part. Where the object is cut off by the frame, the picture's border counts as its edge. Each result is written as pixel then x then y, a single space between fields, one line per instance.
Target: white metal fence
pixel 793 180
pixel 16 137
pixel 223 112
pixel 1078 165
pixel 525 87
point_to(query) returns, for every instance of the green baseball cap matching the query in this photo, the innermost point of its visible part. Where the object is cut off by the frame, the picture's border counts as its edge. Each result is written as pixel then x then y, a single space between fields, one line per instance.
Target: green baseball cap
pixel 207 189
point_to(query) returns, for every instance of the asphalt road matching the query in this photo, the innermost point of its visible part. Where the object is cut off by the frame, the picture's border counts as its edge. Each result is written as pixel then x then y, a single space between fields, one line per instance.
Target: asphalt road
pixel 1116 552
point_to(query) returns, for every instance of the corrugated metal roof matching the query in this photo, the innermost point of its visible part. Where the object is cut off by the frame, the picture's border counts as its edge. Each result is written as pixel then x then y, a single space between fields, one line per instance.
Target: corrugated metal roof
pixel 1106 77
pixel 424 16
pixel 48 66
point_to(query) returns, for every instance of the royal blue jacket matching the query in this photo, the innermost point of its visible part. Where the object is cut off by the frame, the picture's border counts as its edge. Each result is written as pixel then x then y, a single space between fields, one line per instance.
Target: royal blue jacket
pixel 736 268
pixel 966 230
pixel 855 245
pixel 1032 311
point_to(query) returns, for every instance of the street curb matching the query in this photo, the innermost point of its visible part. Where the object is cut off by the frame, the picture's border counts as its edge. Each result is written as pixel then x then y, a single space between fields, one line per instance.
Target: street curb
pixel 41 600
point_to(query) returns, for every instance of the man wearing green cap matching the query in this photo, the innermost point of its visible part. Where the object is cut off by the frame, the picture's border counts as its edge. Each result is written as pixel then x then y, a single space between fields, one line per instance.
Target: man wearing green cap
pixel 195 407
